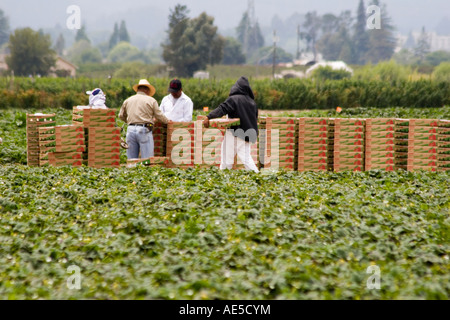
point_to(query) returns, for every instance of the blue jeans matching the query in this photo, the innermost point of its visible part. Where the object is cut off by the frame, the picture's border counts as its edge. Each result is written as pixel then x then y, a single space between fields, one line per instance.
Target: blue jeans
pixel 140 139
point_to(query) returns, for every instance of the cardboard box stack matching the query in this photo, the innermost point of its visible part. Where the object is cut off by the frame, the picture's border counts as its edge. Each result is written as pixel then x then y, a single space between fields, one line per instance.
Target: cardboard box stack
pixel 349 142
pixel 159 139
pixel 380 144
pixel 62 145
pixel 279 143
pixel 444 145
pixel 34 122
pixel 401 142
pixel 316 144
pixel 423 144
pixel 102 136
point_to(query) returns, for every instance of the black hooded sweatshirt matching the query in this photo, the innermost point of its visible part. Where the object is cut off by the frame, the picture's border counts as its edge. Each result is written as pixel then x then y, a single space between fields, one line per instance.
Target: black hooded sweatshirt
pixel 240 104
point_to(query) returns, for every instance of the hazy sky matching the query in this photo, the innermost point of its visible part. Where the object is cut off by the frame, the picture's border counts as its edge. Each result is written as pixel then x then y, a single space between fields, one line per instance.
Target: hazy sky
pixel 151 16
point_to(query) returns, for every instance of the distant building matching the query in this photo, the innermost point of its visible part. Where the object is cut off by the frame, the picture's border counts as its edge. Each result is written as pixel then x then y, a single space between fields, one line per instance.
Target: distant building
pixel 63 68
pixel 201 75
pixel 335 65
pixel 437 42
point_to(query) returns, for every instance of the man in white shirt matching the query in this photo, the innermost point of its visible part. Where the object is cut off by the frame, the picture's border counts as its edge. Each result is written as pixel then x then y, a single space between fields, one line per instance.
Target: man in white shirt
pixel 177 106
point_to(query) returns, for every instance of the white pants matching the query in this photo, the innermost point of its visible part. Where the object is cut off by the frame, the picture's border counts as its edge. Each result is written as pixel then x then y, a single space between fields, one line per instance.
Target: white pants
pixel 232 145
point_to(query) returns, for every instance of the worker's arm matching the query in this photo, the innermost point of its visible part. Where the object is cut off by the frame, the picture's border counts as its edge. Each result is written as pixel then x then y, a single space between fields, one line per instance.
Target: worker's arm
pixel 158 113
pixel 123 113
pixel 188 111
pixel 223 109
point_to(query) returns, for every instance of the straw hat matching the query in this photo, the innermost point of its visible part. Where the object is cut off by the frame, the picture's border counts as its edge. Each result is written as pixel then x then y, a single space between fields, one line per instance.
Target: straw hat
pixel 145 83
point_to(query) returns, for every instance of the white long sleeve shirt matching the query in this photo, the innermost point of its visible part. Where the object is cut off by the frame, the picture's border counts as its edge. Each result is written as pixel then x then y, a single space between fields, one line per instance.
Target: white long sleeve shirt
pixel 177 110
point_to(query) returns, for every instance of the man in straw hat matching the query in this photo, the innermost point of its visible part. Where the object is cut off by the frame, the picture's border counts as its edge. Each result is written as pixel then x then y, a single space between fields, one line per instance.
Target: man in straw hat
pixel 138 112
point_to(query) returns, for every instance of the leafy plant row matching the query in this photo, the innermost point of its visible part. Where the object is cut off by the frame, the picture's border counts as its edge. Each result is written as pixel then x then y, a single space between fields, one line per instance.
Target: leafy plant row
pixel 226 235
pixel 289 94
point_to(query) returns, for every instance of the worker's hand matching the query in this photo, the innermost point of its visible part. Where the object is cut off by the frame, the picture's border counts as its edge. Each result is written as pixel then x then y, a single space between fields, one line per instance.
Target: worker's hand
pixel 206 123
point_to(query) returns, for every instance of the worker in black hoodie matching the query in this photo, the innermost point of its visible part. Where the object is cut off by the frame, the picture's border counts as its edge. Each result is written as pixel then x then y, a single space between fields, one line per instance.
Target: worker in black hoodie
pixel 240 104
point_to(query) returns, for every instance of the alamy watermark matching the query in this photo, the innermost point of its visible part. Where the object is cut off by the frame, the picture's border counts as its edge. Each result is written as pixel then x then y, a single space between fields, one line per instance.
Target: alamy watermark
pixel 73 22
pixel 74 281
pixel 374 281
pixel 374 21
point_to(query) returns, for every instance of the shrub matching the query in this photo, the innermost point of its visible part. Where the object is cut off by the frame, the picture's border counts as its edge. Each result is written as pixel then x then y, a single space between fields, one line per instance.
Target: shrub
pixel 328 73
pixel 442 72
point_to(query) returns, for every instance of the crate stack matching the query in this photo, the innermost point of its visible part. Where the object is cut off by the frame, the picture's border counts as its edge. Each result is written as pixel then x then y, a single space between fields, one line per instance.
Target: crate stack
pixel 423 145
pixel 102 136
pixel 401 142
pixel 34 122
pixel 62 145
pixel 349 142
pixel 380 144
pixel 444 145
pixel 278 143
pixel 316 144
pixel 180 144
pixel 159 139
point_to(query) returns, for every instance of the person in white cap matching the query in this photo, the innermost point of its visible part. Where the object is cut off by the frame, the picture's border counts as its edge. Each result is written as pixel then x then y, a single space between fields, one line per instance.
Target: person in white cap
pixel 138 112
pixel 97 99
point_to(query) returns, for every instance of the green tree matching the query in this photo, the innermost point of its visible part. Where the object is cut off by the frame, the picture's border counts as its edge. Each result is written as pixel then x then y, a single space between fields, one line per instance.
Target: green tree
pixel 114 39
pixel 192 44
pixel 264 56
pixel 4 28
pixel 83 52
pixel 60 45
pixel 249 35
pixel 335 43
pixel 125 52
pixel 31 53
pixel 382 41
pixel 328 73
pixel 123 33
pixel 360 36
pixel 423 46
pixel 442 72
pixel 81 34
pixel 312 26
pixel 437 57
pixel 232 52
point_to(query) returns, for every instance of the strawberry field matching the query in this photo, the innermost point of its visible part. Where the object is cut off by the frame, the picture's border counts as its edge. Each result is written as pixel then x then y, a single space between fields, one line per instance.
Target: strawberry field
pixel 156 233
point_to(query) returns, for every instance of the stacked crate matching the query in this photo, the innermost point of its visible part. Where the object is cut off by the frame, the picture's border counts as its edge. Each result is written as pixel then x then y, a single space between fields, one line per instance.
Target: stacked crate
pixel 423 144
pixel 401 141
pixel 102 136
pixel 159 139
pixel 34 122
pixel 103 147
pixel 380 144
pixel 444 145
pixel 349 133
pixel 180 144
pixel 62 145
pixel 316 144
pixel 278 143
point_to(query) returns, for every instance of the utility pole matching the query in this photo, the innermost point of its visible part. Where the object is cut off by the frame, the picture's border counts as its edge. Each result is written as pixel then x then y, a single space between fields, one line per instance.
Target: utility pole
pixel 274 52
pixel 298 42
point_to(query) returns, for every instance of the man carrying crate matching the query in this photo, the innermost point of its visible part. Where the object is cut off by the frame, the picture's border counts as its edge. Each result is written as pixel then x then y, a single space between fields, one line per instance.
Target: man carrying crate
pixel 240 104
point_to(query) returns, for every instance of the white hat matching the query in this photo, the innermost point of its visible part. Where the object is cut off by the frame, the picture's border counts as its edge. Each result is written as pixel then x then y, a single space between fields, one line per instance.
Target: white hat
pixel 147 84
pixel 96 98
